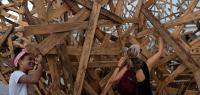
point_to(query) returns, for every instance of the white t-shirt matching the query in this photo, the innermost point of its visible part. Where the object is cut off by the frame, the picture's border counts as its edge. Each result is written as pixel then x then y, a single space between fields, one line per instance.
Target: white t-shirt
pixel 16 88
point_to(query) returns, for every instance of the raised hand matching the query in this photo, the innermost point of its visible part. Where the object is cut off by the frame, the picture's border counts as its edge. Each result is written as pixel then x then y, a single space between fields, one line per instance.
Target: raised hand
pixel 121 61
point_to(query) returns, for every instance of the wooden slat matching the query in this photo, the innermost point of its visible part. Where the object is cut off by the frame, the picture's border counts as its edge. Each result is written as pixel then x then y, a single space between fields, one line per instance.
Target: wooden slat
pixel 41 9
pixel 170 78
pixel 139 5
pixel 46 45
pixel 55 74
pixel 5 36
pixel 95 51
pixel 86 48
pixel 103 11
pixel 52 28
pixel 58 11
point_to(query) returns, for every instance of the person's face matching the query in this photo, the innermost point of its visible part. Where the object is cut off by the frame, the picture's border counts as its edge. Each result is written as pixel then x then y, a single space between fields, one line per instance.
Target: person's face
pixel 27 62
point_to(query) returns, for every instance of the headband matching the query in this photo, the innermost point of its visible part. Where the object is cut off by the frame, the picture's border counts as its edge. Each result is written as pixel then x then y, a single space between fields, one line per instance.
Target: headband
pixel 19 56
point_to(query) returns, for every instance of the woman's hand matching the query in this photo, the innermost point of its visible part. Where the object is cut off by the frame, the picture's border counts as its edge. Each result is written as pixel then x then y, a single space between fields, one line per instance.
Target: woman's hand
pixel 161 44
pixel 121 61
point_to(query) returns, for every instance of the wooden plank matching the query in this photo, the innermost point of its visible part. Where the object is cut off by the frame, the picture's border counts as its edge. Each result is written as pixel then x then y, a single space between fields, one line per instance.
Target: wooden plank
pixel 41 10
pixel 183 87
pixel 58 11
pixel 66 66
pixel 73 5
pixel 55 74
pixel 46 45
pixel 137 10
pixel 99 64
pixel 9 21
pixel 185 19
pixel 99 35
pixel 171 90
pixel 8 15
pixel 180 51
pixel 28 16
pixel 104 80
pixel 166 59
pixel 195 43
pixel 108 84
pixel 62 27
pixel 94 79
pixel 82 15
pixel 181 20
pixel 87 48
pixel 119 8
pixel 149 3
pixel 53 28
pixel 170 78
pixel 170 40
pixel 89 89
pixel 5 36
pixel 72 50
pixel 103 11
pixel 178 29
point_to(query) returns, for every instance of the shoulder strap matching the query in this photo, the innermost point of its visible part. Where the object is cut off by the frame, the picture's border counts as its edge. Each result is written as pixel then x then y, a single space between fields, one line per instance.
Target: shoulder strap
pixel 145 69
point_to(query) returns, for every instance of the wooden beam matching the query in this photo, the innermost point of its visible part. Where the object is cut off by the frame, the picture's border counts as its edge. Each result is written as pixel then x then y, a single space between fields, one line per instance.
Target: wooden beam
pixel 99 64
pixel 170 90
pixel 103 11
pixel 5 36
pixel 180 51
pixel 164 60
pixel 57 12
pixel 41 10
pixel 55 74
pixel 137 11
pixel 53 28
pixel 86 48
pixel 170 78
pixel 149 3
pixel 89 89
pixel 72 50
pixel 66 66
pixel 51 41
pixel 189 10
pixel 185 19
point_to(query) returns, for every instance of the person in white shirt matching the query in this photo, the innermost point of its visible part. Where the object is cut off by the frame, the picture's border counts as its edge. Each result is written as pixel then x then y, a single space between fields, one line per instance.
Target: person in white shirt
pixel 20 79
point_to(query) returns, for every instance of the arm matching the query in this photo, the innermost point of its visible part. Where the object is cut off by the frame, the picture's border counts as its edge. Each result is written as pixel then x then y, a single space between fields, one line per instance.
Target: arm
pixel 35 76
pixel 118 73
pixel 152 60
pixel 32 78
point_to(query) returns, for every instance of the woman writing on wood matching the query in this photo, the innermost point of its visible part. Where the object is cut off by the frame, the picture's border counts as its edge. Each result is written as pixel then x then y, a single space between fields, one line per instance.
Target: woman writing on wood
pixel 20 79
pixel 134 79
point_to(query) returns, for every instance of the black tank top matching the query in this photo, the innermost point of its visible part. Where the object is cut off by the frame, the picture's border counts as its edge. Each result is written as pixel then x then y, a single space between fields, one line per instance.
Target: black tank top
pixel 144 87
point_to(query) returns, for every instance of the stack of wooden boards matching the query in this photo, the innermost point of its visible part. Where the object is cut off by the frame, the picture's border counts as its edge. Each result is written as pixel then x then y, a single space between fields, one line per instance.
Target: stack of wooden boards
pixel 82 41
